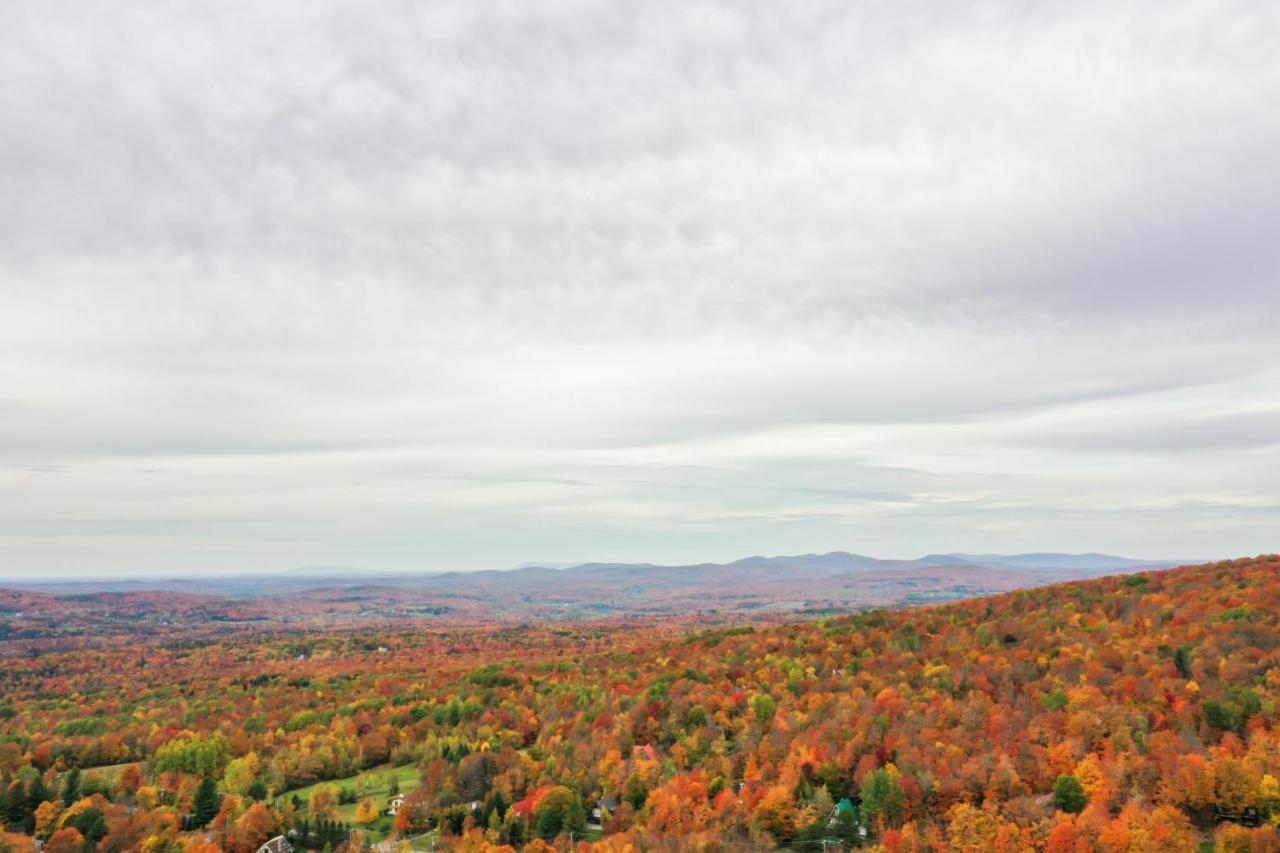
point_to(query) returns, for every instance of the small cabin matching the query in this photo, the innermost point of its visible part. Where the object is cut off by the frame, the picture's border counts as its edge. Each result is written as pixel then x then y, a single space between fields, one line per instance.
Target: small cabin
pixel 845 805
pixel 604 804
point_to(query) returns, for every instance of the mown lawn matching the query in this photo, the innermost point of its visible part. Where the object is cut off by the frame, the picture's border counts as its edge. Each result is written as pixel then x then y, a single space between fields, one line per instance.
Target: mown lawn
pixel 110 772
pixel 103 773
pixel 374 782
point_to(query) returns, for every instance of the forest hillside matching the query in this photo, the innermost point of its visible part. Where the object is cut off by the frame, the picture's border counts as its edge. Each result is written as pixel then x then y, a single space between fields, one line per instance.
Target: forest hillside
pixel 1125 713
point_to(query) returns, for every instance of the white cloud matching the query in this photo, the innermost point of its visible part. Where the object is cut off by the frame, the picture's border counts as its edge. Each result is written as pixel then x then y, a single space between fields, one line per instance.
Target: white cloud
pixel 468 284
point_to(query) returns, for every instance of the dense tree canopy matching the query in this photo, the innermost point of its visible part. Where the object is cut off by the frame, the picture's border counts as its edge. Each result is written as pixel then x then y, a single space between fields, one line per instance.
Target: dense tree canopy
pixel 1127 713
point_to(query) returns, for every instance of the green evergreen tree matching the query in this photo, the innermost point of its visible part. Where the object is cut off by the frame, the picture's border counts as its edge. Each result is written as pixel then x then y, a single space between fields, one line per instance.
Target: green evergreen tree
pixel 496 803
pixel 92 824
pixel 1182 660
pixel 207 802
pixel 13 804
pixel 38 792
pixel 635 791
pixel 1069 795
pixel 514 830
pixel 550 822
pixel 30 798
pixel 576 820
pixel 71 786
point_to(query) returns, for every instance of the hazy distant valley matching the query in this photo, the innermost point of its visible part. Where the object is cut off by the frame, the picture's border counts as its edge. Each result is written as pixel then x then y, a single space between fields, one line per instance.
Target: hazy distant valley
pixel 52 615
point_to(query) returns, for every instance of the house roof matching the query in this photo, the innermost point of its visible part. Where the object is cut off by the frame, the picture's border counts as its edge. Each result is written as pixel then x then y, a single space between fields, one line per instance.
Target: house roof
pixel 526 807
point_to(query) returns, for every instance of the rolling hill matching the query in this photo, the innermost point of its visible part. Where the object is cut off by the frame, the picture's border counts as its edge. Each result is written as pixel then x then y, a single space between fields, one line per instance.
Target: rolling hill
pixel 1134 712
pixel 46 614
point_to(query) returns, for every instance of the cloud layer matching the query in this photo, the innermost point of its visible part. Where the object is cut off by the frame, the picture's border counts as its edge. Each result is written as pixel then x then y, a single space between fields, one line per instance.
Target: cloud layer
pixel 458 285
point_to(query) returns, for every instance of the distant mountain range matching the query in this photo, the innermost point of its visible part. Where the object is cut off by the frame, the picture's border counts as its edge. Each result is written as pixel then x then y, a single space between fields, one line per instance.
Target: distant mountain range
pixel 834 562
pixel 58 614
pixel 845 561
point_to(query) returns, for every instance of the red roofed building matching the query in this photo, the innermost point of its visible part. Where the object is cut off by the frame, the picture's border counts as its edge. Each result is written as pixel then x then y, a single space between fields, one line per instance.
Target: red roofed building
pixel 526 807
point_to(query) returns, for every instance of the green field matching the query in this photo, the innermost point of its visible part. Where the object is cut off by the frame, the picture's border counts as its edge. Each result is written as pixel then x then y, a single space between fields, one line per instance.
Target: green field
pixel 105 773
pixel 376 783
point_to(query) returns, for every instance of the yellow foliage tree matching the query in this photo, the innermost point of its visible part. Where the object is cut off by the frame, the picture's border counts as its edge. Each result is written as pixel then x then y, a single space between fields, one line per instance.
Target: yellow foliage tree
pixel 324 802
pixel 241 772
pixel 970 828
pixel 148 797
pixel 776 812
pixel 1235 787
pixel 47 814
pixel 366 811
pixel 1089 772
pixel 1269 792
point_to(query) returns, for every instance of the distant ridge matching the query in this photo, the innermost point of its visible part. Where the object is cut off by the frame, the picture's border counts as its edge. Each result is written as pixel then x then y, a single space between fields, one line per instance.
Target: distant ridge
pixel 1031 566
pixel 752 589
pixel 846 561
pixel 1100 562
pixel 835 560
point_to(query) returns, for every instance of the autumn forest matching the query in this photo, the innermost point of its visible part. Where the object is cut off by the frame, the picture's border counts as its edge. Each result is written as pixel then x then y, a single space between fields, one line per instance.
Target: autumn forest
pixel 1129 713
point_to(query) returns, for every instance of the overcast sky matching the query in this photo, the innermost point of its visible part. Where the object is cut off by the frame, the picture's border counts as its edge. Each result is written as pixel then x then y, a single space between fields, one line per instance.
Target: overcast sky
pixel 459 285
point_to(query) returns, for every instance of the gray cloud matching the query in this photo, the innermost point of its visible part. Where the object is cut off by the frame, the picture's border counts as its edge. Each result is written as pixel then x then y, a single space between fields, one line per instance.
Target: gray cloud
pixel 1245 432
pixel 465 284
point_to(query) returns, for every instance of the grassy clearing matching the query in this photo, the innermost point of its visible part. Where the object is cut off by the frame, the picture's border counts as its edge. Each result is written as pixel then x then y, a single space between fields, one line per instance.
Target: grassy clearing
pixel 373 832
pixel 374 782
pixel 106 771
pixel 102 774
